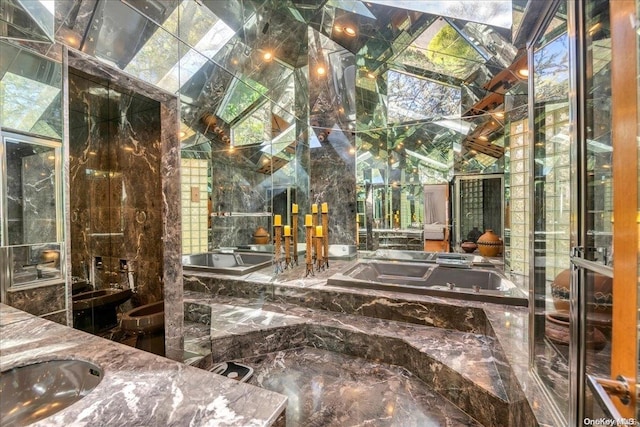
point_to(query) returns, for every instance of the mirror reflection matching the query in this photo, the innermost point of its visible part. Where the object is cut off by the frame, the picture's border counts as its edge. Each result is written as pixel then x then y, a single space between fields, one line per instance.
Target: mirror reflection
pixel 384 111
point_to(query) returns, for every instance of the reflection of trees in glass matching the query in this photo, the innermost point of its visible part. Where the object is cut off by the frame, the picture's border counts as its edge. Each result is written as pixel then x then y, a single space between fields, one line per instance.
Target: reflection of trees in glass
pixel 253 129
pixel 551 65
pixel 413 98
pixel 24 101
pixel 241 98
pixel 447 53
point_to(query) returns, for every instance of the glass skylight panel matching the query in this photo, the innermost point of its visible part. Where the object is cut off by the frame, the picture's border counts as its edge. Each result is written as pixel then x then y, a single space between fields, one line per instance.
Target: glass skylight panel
pixel 240 96
pixel 254 129
pixel 29 100
pixel 352 6
pixel 413 99
pixel 492 12
pixel 441 49
pixel 167 67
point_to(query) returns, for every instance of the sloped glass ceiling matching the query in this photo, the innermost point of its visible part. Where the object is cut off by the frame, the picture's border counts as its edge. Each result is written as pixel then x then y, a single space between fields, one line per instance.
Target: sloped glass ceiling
pixel 28 20
pixel 30 92
pixel 414 99
pixel 229 59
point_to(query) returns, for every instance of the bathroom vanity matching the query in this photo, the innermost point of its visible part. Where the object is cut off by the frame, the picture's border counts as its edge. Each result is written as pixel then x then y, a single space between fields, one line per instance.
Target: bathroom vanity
pixel 137 388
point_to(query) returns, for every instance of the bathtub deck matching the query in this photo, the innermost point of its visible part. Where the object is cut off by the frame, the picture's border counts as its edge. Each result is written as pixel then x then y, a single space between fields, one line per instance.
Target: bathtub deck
pixel 455 363
pixel 332 389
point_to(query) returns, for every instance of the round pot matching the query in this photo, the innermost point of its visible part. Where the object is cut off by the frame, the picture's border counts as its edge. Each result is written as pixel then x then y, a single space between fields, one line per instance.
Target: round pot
pixel 602 295
pixel 261 236
pixel 468 247
pixel 557 331
pixel 489 244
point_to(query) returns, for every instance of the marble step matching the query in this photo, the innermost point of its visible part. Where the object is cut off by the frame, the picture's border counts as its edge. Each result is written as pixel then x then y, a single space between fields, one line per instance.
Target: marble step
pixel 243 328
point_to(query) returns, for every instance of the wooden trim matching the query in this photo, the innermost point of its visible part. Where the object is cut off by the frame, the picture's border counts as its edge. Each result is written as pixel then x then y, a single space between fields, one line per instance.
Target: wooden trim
pixel 624 101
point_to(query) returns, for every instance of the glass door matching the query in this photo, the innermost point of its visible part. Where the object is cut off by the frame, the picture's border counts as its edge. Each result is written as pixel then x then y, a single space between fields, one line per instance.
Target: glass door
pixel 585 210
pixel 550 214
pixel 606 257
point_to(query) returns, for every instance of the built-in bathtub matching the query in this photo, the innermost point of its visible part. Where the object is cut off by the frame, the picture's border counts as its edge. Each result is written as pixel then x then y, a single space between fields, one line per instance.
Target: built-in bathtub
pixel 475 283
pixel 236 263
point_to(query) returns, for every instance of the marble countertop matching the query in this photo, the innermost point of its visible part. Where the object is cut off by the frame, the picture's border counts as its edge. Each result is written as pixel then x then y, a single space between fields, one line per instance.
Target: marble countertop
pixel 138 388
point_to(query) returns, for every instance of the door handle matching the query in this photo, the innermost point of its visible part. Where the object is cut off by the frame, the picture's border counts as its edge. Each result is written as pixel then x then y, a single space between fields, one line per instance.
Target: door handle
pixel 605 388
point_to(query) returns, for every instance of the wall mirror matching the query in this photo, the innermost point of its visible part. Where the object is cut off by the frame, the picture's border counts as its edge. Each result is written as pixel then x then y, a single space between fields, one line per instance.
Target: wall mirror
pixel 275 93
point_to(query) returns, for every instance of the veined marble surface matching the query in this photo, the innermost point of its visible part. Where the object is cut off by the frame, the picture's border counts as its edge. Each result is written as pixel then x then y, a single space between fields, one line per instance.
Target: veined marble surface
pixel 473 353
pixel 138 388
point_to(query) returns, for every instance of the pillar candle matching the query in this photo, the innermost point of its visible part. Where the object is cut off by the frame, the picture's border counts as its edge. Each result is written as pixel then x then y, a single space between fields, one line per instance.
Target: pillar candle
pixel 319 231
pixel 325 207
pixel 294 208
pixel 287 230
pixel 308 220
pixel 314 208
pixel 277 220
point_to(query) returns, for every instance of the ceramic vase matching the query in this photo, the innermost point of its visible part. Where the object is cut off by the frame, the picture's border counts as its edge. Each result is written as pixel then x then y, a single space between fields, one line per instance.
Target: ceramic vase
pixel 489 244
pixel 468 247
pixel 261 236
pixel 557 331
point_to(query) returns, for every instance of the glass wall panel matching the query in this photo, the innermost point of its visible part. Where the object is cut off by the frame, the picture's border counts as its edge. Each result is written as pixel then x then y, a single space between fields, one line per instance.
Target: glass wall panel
pixel 599 192
pixel 551 197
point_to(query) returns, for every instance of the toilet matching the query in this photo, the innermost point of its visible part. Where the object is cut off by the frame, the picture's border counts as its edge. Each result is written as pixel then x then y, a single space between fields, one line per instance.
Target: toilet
pixel 146 323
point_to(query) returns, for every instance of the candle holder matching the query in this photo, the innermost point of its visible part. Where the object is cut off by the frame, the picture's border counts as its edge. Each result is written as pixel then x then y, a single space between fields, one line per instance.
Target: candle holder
pixel 325 237
pixel 319 257
pixel 314 219
pixel 278 248
pixel 308 255
pixel 287 251
pixel 294 226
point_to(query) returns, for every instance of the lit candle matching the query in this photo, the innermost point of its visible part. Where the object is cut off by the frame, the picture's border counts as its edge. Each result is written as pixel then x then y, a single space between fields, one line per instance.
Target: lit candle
pixel 325 207
pixel 294 208
pixel 308 220
pixel 277 220
pixel 287 230
pixel 314 208
pixel 318 231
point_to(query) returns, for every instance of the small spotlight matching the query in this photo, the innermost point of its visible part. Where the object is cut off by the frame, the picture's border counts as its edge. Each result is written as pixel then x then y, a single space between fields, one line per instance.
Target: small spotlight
pixel 321 70
pixel 371 75
pixel 523 72
pixel 182 134
pixel 267 56
pixel 349 31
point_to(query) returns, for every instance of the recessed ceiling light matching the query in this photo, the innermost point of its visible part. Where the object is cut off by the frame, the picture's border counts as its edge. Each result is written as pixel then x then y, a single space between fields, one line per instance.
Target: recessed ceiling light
pixel 371 75
pixel 523 72
pixel 267 56
pixel 499 114
pixel 182 134
pixel 321 70
pixel 349 31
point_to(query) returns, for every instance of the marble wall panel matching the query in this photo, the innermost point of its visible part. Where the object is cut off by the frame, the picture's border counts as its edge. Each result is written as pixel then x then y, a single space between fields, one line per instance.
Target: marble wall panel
pixel 39 202
pixel 39 301
pixel 115 188
pixel 148 127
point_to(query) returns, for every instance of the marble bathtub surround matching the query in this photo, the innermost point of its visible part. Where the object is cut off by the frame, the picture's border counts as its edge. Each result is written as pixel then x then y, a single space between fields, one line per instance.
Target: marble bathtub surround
pixel 503 328
pixel 138 388
pixel 459 366
pixel 328 388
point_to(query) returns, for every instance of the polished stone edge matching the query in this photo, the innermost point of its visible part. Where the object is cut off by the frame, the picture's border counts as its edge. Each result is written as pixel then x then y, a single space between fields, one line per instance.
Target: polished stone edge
pixel 529 404
pixel 436 312
pixel 138 388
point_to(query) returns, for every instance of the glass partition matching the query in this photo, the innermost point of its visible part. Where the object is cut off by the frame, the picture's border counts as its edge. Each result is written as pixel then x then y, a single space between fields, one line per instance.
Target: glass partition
pixel 551 198
pixel 31 204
